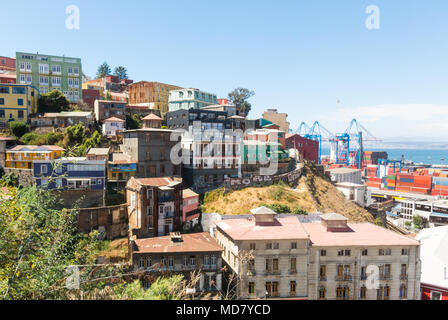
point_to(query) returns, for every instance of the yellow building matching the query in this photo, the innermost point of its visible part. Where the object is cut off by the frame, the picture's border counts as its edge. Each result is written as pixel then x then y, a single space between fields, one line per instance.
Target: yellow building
pixel 121 168
pixel 153 94
pixel 17 102
pixel 23 156
pixel 96 84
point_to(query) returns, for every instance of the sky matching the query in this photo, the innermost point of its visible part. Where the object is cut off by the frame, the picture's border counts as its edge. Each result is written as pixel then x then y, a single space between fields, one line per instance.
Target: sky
pixel 315 60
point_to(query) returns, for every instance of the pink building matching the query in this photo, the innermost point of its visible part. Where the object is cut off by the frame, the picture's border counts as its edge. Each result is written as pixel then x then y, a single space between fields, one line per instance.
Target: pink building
pixel 190 208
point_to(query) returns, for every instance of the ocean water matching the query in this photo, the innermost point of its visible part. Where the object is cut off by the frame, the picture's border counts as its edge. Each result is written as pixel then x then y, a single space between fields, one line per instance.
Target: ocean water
pixel 434 157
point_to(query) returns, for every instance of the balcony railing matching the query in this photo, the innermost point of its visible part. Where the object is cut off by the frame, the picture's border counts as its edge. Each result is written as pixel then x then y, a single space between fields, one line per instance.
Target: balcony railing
pixel 343 278
pixel 385 277
pixel 403 277
pixel 322 278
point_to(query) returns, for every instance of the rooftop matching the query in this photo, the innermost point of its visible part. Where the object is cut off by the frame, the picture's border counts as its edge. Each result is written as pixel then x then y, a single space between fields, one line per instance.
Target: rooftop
pixel 155 182
pixel 187 193
pixel 114 119
pixel 98 151
pixel 357 234
pixel 31 148
pixel 280 229
pixel 152 116
pixel 434 255
pixel 191 242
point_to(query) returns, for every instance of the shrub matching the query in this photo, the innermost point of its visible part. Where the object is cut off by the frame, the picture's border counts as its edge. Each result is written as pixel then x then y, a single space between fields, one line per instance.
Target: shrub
pixel 18 128
pixel 299 210
pixel 277 207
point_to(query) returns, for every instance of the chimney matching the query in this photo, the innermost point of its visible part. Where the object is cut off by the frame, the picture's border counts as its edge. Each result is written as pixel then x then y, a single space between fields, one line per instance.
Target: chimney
pixel 263 215
pixel 175 237
pixel 334 222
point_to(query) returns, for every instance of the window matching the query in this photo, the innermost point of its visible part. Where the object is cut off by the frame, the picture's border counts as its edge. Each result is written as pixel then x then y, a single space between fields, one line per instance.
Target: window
pixel 292 288
pixel 386 292
pixel 269 245
pixel 435 295
pixel 142 263
pixel 293 265
pixel 322 273
pixel 276 245
pixel 170 262
pixel 379 293
pixel 149 194
pixel 340 253
pixel 149 211
pixel 388 252
pixel 20 102
pixel 363 273
pixel 293 245
pixel 347 252
pixel 252 246
pixel 403 292
pixel 404 252
pixel 268 265
pixel 93 182
pixel 275 265
pixel 43 68
pixel 2 113
pixel 148 263
pixel 18 90
pixel 403 273
pixel 4 89
pixel 364 252
pixel 363 292
pixel 322 293
pixel 251 265
pixel 323 253
pixel 381 252
pixel 251 288
pixel 20 113
pixel 43 168
pixel 206 260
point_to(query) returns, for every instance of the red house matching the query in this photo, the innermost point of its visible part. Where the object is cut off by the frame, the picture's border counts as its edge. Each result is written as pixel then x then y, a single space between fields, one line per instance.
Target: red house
pixel 90 95
pixel 190 208
pixel 308 149
pixel 434 258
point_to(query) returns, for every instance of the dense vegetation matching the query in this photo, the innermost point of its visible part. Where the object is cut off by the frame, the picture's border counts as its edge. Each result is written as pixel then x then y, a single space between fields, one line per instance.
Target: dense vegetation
pixel 54 101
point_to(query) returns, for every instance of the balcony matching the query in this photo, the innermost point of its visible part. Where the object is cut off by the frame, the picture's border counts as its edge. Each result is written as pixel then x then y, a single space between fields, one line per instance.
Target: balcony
pixel 322 278
pixel 272 272
pixel 343 278
pixel 293 271
pixel 251 272
pixel 403 277
pixel 385 277
pixel 166 199
pixel 168 215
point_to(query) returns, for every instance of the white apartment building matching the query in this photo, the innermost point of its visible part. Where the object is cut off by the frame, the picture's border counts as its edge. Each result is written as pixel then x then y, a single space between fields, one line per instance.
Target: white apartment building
pixel 279 256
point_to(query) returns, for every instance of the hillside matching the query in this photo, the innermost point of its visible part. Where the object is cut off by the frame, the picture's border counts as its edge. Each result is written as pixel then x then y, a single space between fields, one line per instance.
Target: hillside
pixel 313 193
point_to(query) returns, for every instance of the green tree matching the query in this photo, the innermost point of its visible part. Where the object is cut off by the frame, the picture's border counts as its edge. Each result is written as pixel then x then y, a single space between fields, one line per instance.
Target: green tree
pixel 103 70
pixel 54 101
pixel 239 97
pixel 108 96
pixel 18 128
pixel 299 210
pixel 121 72
pixel 133 122
pixel 418 221
pixel 38 241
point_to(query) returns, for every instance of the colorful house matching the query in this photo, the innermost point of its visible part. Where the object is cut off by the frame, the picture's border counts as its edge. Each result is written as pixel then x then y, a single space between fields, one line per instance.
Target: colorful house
pixel 190 99
pixel 49 73
pixel 190 207
pixel 152 121
pixel 73 173
pixel 112 126
pixel 17 102
pixel 121 168
pixel 24 156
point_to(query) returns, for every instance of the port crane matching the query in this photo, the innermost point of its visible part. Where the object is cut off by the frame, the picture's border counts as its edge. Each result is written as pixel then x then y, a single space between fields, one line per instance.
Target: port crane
pixel 319 133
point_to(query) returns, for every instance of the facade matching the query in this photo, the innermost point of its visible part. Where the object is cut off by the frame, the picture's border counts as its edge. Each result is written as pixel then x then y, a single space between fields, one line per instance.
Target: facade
pixel 190 99
pixel 98 154
pixel 154 206
pixel 105 109
pixel 279 119
pixel 47 73
pixel 434 281
pixel 181 254
pixel 151 149
pixel 17 102
pixel 120 168
pixel 62 119
pixel 206 119
pixel 354 192
pixel 155 94
pixel 328 260
pixel 140 110
pixel 269 254
pixel 90 95
pixel 434 212
pixel 112 126
pixel 24 156
pixel 152 121
pixel 72 173
pixel 307 148
pixel 339 175
pixel 5 144
pixel 229 108
pixel 7 70
pixel 190 207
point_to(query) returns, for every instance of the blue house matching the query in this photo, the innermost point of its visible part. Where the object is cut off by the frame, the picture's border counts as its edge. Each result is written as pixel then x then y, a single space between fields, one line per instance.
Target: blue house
pixel 74 173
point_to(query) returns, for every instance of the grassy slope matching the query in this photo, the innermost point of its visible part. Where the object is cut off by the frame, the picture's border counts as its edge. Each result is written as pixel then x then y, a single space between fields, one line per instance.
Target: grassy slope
pixel 313 193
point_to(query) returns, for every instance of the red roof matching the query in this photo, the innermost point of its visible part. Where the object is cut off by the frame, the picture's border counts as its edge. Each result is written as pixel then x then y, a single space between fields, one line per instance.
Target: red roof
pixel 246 229
pixel 156 182
pixel 114 119
pixel 191 242
pixel 152 116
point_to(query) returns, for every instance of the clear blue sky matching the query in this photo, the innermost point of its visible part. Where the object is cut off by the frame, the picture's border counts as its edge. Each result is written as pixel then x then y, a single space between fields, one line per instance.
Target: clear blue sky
pixel 299 56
